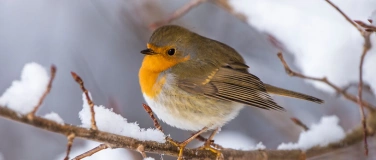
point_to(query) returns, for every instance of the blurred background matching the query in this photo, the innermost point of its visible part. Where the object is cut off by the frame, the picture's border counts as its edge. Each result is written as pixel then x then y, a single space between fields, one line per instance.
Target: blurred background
pixel 101 41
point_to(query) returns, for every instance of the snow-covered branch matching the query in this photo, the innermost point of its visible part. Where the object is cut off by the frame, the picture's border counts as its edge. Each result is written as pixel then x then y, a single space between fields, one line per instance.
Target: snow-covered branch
pixel 118 141
pixel 115 132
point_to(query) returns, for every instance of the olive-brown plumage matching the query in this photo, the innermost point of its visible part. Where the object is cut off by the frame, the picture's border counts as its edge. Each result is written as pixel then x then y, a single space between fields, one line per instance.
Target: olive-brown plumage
pixel 202 82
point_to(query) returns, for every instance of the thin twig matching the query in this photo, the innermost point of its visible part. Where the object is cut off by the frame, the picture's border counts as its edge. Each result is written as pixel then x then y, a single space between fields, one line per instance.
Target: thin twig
pixel 79 80
pixel 177 14
pixel 224 4
pixel 368 27
pixel 300 123
pixel 150 112
pixel 141 150
pixel 91 152
pixel 348 96
pixel 345 16
pixel 366 88
pixel 276 43
pixel 70 138
pixel 366 47
pixel 48 89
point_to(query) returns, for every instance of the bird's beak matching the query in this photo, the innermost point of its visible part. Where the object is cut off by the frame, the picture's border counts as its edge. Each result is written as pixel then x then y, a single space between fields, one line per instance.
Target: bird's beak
pixel 148 52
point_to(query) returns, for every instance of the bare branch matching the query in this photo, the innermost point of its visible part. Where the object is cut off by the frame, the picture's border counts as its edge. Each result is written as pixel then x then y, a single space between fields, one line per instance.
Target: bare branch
pixel 118 141
pixel 348 96
pixel 366 47
pixel 150 112
pixel 141 150
pixel 368 27
pixel 227 7
pixel 69 145
pixel 345 16
pixel 366 88
pixel 48 89
pixel 299 123
pixel 91 152
pixel 177 14
pixel 89 101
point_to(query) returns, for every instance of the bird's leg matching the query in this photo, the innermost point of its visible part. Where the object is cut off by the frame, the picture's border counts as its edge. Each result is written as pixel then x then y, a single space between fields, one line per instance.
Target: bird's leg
pixel 181 145
pixel 208 144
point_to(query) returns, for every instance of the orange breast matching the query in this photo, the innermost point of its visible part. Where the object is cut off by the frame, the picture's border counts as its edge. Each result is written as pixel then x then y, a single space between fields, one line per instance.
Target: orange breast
pixel 151 67
pixel 150 84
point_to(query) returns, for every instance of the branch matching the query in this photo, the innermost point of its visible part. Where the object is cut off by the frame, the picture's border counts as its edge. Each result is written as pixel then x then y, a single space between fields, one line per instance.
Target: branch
pixel 366 47
pixel 151 115
pixel 48 89
pixel 368 27
pixel 92 151
pixel 300 123
pixel 141 150
pixel 69 145
pixel 366 88
pixel 89 101
pixel 348 96
pixel 177 14
pixel 227 7
pixel 345 16
pixel 118 141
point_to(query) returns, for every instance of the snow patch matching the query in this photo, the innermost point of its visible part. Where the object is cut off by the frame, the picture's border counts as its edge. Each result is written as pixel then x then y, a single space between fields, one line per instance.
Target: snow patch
pixel 54 117
pixel 109 121
pixel 327 131
pixel 24 94
pixel 236 140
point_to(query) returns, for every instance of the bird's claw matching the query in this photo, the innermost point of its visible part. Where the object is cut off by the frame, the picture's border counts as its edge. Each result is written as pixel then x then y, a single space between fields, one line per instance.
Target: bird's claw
pixel 208 146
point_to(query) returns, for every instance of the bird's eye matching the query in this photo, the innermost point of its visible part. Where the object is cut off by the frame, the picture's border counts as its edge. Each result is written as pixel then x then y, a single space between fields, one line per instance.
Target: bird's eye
pixel 171 52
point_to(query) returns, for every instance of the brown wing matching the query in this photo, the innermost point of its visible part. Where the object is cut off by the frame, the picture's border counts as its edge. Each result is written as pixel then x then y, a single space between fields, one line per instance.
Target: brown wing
pixel 232 83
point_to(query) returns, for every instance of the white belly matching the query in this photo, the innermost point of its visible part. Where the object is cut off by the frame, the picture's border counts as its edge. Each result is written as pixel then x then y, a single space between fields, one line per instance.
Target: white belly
pixel 193 113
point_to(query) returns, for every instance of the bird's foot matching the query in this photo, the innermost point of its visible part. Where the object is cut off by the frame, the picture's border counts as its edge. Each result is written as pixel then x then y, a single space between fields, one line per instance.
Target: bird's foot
pixel 215 150
pixel 181 145
pixel 211 146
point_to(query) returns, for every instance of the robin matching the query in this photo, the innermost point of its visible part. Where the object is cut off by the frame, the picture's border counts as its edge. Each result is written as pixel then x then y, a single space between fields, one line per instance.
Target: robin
pixel 195 83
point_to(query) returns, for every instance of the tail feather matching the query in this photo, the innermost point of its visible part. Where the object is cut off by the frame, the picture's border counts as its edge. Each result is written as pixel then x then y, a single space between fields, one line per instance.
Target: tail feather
pixel 284 92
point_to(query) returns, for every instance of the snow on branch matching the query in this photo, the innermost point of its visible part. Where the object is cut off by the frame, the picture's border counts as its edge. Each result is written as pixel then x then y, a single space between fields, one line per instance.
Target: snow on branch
pixel 327 131
pixel 26 95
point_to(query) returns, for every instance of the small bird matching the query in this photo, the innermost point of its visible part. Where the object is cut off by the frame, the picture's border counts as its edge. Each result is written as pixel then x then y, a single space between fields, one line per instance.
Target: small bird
pixel 195 83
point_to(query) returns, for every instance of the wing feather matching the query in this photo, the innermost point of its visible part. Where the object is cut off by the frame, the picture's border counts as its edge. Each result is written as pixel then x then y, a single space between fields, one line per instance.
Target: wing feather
pixel 232 84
